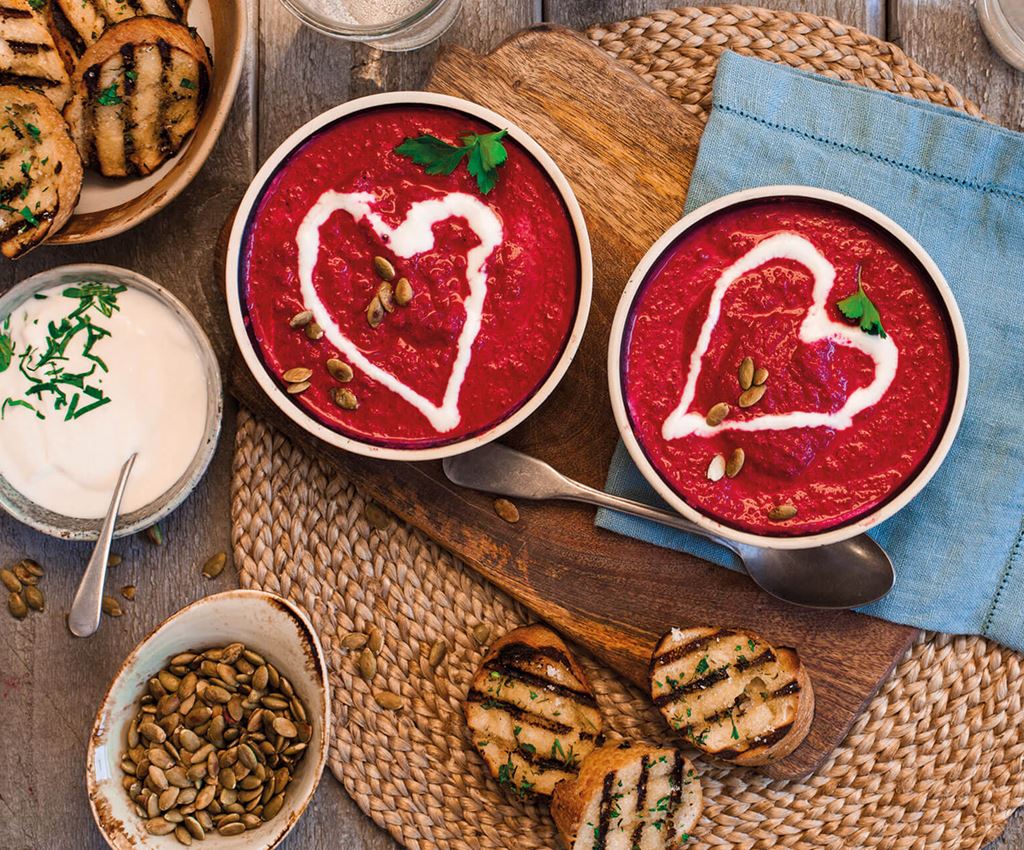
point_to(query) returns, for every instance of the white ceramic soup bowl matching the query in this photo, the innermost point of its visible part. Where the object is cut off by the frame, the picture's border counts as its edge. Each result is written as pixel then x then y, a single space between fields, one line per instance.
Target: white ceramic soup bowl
pixel 235 282
pixel 269 625
pixel 619 340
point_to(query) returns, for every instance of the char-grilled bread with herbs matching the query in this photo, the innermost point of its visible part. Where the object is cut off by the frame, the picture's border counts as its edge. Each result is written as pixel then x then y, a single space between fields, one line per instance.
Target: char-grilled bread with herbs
pixel 732 694
pixel 78 24
pixel 40 171
pixel 531 712
pixel 28 55
pixel 138 93
pixel 627 797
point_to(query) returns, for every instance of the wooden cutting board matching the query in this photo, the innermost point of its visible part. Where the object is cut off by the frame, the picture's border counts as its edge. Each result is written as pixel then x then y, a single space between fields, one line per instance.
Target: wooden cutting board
pixel 628 152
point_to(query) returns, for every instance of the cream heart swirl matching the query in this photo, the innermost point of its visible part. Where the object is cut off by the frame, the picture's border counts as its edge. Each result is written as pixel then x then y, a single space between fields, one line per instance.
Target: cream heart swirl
pixel 413 236
pixel 815 327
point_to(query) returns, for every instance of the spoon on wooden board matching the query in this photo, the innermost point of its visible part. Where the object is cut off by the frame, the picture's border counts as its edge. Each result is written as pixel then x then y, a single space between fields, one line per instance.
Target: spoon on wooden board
pixel 848 574
pixel 84 618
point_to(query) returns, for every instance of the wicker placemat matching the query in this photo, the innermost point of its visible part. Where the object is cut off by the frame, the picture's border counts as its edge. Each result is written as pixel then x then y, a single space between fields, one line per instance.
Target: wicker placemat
pixel 937 760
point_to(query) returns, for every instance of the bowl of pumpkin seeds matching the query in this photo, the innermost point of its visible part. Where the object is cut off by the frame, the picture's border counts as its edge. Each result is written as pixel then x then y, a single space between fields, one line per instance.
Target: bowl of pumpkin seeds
pixel 215 730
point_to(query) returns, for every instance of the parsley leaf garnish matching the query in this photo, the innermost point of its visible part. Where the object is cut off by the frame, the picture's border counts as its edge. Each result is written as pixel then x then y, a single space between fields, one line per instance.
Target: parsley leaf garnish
pixel 859 308
pixel 484 153
pixel 6 351
pixel 702 665
pixel 109 96
pixel 33 131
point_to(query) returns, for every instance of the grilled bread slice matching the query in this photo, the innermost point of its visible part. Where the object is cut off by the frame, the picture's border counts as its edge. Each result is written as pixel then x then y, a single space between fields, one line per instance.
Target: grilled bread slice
pixel 78 24
pixel 28 56
pixel 629 796
pixel 731 694
pixel 40 172
pixel 531 712
pixel 137 96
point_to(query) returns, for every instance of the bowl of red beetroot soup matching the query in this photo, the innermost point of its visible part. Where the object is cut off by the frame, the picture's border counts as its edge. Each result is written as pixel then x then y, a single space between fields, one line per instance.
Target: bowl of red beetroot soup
pixel 409 276
pixel 788 367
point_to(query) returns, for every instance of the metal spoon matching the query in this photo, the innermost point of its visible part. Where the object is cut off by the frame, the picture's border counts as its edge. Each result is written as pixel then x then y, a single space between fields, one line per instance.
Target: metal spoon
pixel 842 575
pixel 84 618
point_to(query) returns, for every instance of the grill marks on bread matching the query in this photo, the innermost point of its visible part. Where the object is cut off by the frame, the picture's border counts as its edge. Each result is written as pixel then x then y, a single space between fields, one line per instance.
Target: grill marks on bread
pixel 40 171
pixel 531 712
pixel 629 796
pixel 28 55
pixel 138 96
pixel 731 694
pixel 79 24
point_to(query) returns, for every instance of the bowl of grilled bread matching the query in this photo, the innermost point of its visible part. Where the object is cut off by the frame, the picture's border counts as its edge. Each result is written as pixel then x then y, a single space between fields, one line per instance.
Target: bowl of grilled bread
pixel 727 695
pixel 108 110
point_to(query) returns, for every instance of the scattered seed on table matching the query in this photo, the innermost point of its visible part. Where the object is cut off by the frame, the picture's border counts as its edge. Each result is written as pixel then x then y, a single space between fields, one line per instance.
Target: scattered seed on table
pixel 17 606
pixel 10 581
pixel 354 640
pixel 33 567
pixel 376 516
pixel 375 642
pixel 155 535
pixel 438 651
pixel 214 565
pixel 389 700
pixel 35 598
pixel 114 560
pixel 24 575
pixel 481 633
pixel 128 592
pixel 111 607
pixel 506 510
pixel 367 664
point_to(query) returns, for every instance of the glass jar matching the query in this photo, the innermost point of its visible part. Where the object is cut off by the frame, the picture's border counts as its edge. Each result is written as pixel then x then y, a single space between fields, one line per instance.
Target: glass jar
pixel 394 25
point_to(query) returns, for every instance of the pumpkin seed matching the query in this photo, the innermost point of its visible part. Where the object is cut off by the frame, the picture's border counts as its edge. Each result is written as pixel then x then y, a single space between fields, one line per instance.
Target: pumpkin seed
pixel 389 700
pixel 285 728
pixel 746 373
pixel 35 598
pixel 354 640
pixel 22 574
pixel 376 640
pixel 752 396
pixel 376 516
pixel 346 399
pixel 33 567
pixel 717 414
pixel 128 592
pixel 403 292
pixel 10 581
pixel 230 829
pixel 111 607
pixel 297 375
pixel 17 606
pixel 159 826
pixel 296 389
pixel 214 565
pixel 438 651
pixel 114 560
pixel 760 376
pixel 273 807
pixel 340 370
pixel 300 320
pixel 367 664
pixel 780 513
pixel 386 295
pixel 183 835
pixel 716 469
pixel 314 332
pixel 384 268
pixel 155 535
pixel 481 633
pixel 375 312
pixel 735 464
pixel 194 827
pixel 506 510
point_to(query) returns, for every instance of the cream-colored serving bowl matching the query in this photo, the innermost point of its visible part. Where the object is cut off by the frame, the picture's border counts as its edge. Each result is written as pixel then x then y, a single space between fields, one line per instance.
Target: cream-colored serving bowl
pixel 265 623
pixel 619 340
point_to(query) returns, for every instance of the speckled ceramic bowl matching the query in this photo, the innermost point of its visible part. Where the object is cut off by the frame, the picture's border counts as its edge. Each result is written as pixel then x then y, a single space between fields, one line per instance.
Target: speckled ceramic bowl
pixel 265 623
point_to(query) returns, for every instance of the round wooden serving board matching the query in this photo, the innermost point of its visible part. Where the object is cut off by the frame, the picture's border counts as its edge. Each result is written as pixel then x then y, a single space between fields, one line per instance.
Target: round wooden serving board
pixel 628 152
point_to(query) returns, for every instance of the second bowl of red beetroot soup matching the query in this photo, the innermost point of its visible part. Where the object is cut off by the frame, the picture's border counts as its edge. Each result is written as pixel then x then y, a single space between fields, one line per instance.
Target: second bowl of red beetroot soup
pixel 788 366
pixel 493 280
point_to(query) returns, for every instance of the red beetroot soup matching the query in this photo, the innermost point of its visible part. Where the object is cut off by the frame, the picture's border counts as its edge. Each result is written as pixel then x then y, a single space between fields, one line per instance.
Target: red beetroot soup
pixel 510 257
pixel 847 417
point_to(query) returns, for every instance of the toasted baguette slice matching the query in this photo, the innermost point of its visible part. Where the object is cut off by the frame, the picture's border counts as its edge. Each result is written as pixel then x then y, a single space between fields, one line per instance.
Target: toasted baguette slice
pixel 78 24
pixel 629 796
pixel 40 172
pixel 531 712
pixel 137 96
pixel 731 694
pixel 28 56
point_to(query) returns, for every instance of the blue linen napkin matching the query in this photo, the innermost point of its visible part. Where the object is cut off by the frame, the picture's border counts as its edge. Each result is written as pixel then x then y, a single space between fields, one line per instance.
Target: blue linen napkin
pixel 957 184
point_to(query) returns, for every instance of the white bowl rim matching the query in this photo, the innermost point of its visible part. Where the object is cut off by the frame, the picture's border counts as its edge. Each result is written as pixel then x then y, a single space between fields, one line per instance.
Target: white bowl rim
pixel 236 311
pixel 850 529
pixel 186 484
pixel 189 610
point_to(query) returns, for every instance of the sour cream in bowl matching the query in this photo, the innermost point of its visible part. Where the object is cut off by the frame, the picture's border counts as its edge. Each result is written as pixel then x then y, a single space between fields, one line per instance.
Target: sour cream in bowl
pixel 96 363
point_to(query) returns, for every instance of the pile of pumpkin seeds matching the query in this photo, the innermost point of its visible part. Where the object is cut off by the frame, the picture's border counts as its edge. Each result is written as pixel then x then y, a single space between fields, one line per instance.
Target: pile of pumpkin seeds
pixel 22 584
pixel 388 293
pixel 214 745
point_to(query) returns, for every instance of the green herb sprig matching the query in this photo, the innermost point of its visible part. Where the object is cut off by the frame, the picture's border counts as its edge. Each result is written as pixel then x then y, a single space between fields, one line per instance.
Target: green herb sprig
pixel 483 154
pixel 860 309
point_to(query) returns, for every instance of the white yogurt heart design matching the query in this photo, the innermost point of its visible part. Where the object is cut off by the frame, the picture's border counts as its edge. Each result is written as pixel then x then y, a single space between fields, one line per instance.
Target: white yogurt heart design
pixel 413 236
pixel 815 327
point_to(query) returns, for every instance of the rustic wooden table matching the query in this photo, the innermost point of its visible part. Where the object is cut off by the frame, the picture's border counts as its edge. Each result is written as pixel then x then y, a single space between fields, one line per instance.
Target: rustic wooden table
pixel 51 683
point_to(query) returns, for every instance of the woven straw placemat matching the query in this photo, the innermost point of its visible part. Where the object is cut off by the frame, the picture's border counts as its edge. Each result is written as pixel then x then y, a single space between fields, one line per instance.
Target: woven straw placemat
pixel 936 761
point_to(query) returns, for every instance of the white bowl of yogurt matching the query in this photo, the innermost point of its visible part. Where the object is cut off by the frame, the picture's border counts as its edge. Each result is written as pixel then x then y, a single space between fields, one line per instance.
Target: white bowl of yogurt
pixel 98 362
